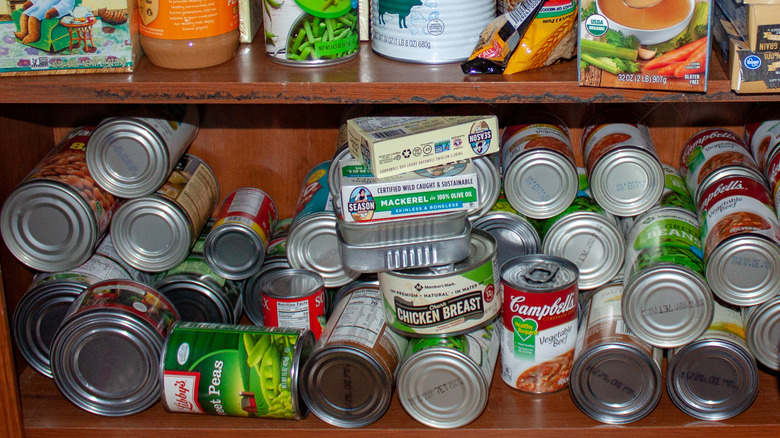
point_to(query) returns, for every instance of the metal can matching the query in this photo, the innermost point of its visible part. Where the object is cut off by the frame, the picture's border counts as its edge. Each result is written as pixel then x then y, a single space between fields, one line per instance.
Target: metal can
pixel 666 301
pixel 313 242
pixel 762 330
pixel 772 171
pixel 277 246
pixel 710 150
pixel 445 382
pixel 444 300
pixel 514 234
pixel 156 232
pixel 251 294
pixel 538 322
pixel 741 236
pixel 132 155
pixel 625 173
pixel 616 376
pixel 234 370
pixel 348 379
pixel 106 354
pixel 489 177
pixel 540 174
pixel 715 377
pixel 55 218
pixel 293 298
pixel 762 134
pixel 235 247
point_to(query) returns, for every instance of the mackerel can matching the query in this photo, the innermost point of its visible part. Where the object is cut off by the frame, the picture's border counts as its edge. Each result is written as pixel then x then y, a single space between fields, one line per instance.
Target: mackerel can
pixel 715 377
pixel 762 134
pixel 348 379
pixel 445 382
pixel 235 247
pixel 666 301
pixel 156 232
pixel 538 323
pixel 540 174
pixel 234 370
pixel 444 300
pixel 514 234
pixel 132 155
pixel 623 167
pixel 55 218
pixel 616 376
pixel 106 354
pixel 293 298
pixel 762 330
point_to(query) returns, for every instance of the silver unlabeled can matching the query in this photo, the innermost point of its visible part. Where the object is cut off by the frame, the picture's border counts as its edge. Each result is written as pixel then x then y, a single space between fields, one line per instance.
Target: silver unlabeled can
pixel 132 155
pixel 762 331
pixel 514 234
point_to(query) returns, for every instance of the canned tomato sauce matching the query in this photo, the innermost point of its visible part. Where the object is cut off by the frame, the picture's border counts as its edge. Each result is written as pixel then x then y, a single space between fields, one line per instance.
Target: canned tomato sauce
pixel 234 370
pixel 293 298
pixel 538 322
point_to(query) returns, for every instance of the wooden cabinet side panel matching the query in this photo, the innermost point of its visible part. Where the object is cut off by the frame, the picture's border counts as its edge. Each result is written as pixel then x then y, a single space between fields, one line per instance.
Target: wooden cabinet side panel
pixel 10 405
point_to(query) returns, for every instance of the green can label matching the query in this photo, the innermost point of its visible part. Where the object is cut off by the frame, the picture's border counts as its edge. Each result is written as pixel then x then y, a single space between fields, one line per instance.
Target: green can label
pixel 481 346
pixel 234 370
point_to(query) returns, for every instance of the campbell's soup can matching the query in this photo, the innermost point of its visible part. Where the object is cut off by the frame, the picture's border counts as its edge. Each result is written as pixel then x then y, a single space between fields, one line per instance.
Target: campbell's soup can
pixel 293 298
pixel 762 133
pixel 538 322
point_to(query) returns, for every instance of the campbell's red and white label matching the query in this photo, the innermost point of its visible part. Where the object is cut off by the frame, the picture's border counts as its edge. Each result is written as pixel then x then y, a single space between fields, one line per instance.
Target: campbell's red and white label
pixel 772 171
pixel 180 392
pixel 601 139
pixel 762 137
pixel 252 208
pixel 299 312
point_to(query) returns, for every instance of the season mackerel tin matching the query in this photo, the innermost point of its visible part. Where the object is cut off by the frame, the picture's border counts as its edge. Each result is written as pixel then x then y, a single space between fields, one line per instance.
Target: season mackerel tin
pixel 293 298
pixel 444 300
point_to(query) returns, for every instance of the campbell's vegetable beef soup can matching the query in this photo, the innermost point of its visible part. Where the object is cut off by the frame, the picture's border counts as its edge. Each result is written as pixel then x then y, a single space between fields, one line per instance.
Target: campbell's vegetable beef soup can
pixel 55 218
pixel 234 370
pixel 106 354
pixel 538 322
pixel 293 298
pixel 762 133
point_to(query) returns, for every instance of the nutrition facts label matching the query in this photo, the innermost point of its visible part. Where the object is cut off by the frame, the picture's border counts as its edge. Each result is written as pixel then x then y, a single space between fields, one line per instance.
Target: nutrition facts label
pixel 247 201
pixel 362 320
pixel 293 314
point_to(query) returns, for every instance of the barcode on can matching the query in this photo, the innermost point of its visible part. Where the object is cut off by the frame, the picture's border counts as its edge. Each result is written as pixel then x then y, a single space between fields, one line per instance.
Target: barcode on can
pixel 240 220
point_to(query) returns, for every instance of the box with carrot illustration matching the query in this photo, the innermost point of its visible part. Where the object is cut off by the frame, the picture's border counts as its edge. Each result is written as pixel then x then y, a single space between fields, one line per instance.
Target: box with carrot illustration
pixel 645 44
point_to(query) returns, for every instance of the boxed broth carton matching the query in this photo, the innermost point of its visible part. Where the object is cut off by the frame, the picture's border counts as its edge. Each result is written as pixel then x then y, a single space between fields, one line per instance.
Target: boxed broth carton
pixel 652 44
pixel 68 36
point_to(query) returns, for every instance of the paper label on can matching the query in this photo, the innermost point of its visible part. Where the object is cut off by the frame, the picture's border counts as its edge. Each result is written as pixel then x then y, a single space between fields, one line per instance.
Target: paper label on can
pixel 675 192
pixel 194 265
pixel 251 208
pixel 582 203
pixel 183 19
pixel 518 139
pixel 603 139
pixel 177 126
pixel 762 137
pixel 302 312
pixel 727 325
pixel 315 196
pixel 277 248
pixel 772 171
pixel 194 187
pixel 664 236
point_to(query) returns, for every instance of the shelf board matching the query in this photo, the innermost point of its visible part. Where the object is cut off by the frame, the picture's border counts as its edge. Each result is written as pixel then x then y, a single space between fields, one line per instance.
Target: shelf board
pixel 252 78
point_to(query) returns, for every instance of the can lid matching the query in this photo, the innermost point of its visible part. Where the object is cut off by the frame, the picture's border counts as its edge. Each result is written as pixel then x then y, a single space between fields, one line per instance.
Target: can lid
pixel 744 270
pixel 290 283
pixel 627 182
pixel 541 183
pixel 763 333
pixel 712 379
pixel 488 187
pixel 151 234
pixel 234 251
pixel 539 273
pixel 615 383
pixel 127 158
pixel 48 226
pixel 251 292
pixel 313 245
pixel 514 235
pixel 592 242
pixel 197 300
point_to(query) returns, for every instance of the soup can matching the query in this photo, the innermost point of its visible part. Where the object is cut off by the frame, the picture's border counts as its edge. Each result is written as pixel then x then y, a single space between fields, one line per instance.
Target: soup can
pixel 106 354
pixel 236 246
pixel 666 300
pixel 625 173
pixel 445 382
pixel 762 330
pixel 428 32
pixel 772 172
pixel 156 232
pixel 234 370
pixel 293 298
pixel 715 377
pixel 445 300
pixel 709 150
pixel 514 234
pixel 132 155
pixel 54 219
pixel 616 376
pixel 741 235
pixel 309 34
pixel 538 322
pixel 251 294
pixel 540 174
pixel 762 133
pixel 348 379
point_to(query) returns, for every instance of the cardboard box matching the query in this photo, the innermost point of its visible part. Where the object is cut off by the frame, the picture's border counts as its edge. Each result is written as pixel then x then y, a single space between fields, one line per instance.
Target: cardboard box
pixel 753 72
pixel 250 17
pixel 763 27
pixel 92 36
pixel 736 12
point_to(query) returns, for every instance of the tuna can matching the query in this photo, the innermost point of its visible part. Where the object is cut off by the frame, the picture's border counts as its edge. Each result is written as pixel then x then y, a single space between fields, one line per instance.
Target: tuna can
pixel 313 242
pixel 762 134
pixel 625 174
pixel 540 174
pixel 156 232
pixel 55 218
pixel 588 236
pixel 428 32
pixel 132 155
pixel 236 245
pixel 234 370
pixel 714 377
pixel 514 234
pixel 666 301
pixel 616 376
pixel 538 323
pixel 445 382
pixel 709 150
pixel 348 379
pixel 293 298
pixel 310 34
pixel 762 330
pixel 444 300
pixel 106 354
pixel 741 235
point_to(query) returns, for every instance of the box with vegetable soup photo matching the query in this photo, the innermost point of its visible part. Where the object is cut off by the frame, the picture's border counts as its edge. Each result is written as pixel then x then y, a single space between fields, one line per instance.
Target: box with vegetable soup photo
pixel 645 44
